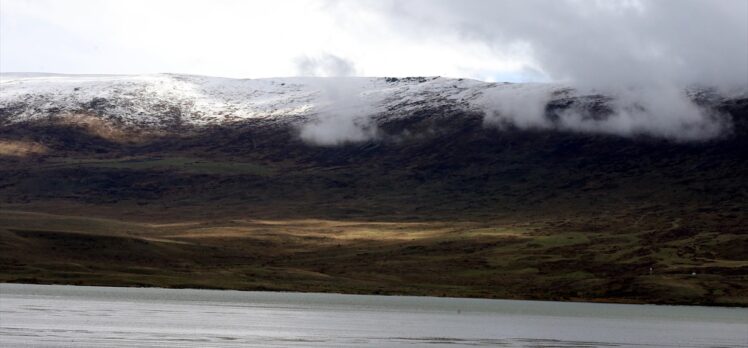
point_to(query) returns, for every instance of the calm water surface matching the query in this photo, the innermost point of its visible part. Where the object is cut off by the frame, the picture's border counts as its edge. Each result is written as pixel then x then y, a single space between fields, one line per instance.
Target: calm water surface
pixel 53 316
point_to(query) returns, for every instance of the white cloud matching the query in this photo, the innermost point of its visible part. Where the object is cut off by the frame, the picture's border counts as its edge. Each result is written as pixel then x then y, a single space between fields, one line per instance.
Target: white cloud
pixel 227 38
pixel 344 112
pixel 644 51
pixel 582 41
pixel 595 43
pixel 326 65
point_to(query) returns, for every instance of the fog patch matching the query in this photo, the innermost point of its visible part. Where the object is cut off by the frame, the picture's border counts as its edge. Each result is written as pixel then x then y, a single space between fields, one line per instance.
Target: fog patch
pixel 344 111
pixel 659 112
pixel 520 105
pixel 643 54
pixel 343 106
pixel 325 65
pixel 665 111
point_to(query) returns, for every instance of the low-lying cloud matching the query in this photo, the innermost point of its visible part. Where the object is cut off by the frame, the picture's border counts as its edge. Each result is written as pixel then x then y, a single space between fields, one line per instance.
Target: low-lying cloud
pixel 644 54
pixel 346 108
pixel 658 112
pixel 343 113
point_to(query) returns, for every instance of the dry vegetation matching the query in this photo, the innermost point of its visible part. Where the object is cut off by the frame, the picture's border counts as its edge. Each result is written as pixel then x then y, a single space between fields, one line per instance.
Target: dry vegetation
pixel 499 259
pixel 460 210
pixel 21 148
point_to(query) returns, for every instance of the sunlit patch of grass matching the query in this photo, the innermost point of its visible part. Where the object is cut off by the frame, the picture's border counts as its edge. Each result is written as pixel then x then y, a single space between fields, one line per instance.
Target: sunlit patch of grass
pixel 561 239
pixel 21 148
pixel 495 231
pixel 488 259
pixel 327 229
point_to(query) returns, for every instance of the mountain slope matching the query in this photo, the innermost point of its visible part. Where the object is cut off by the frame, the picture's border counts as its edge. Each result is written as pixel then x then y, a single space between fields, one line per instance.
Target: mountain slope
pixel 160 101
pixel 433 199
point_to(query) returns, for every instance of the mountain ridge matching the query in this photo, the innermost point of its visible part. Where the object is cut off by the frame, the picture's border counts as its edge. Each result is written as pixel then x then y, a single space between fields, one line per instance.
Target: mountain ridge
pixel 165 102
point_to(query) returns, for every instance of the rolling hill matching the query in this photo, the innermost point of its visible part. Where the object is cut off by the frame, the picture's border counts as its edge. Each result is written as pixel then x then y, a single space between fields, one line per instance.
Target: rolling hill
pixel 424 185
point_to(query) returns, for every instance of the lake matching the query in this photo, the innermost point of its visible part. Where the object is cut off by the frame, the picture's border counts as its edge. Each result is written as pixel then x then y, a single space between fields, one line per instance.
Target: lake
pixel 83 316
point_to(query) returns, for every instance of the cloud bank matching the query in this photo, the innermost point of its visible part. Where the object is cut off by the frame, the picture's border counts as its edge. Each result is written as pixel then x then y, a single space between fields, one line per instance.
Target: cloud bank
pixel 595 43
pixel 665 113
pixel 644 54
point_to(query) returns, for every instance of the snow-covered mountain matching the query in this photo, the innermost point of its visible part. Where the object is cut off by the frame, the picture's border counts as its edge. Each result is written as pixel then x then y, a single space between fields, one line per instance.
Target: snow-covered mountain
pixel 197 100
pixel 162 101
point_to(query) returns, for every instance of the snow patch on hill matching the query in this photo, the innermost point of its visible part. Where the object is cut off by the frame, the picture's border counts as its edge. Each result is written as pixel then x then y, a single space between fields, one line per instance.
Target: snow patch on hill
pixel 200 100
pixel 335 110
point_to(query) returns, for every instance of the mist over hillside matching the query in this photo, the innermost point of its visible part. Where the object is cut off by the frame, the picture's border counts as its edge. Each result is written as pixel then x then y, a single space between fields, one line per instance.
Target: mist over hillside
pixel 422 185
pixel 331 111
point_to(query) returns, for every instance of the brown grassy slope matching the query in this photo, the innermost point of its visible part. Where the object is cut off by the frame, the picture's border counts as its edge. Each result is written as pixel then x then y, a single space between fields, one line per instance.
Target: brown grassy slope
pixel 459 211
pixel 499 259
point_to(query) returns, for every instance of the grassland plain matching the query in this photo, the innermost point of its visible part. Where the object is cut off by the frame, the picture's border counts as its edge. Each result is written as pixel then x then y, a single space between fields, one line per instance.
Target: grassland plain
pixel 542 259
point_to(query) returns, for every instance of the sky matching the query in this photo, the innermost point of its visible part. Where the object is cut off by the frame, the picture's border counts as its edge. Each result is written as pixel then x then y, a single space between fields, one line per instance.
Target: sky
pixel 587 42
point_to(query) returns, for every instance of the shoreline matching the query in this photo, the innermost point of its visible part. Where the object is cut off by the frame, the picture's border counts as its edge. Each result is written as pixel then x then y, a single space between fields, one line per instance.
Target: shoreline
pixel 392 294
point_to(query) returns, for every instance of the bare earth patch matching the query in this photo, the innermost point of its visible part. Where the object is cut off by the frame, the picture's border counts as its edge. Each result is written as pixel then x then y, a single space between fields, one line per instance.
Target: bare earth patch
pixel 21 148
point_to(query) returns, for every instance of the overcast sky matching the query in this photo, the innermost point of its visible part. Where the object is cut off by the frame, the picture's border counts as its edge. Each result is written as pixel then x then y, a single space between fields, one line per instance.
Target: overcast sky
pixel 582 41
